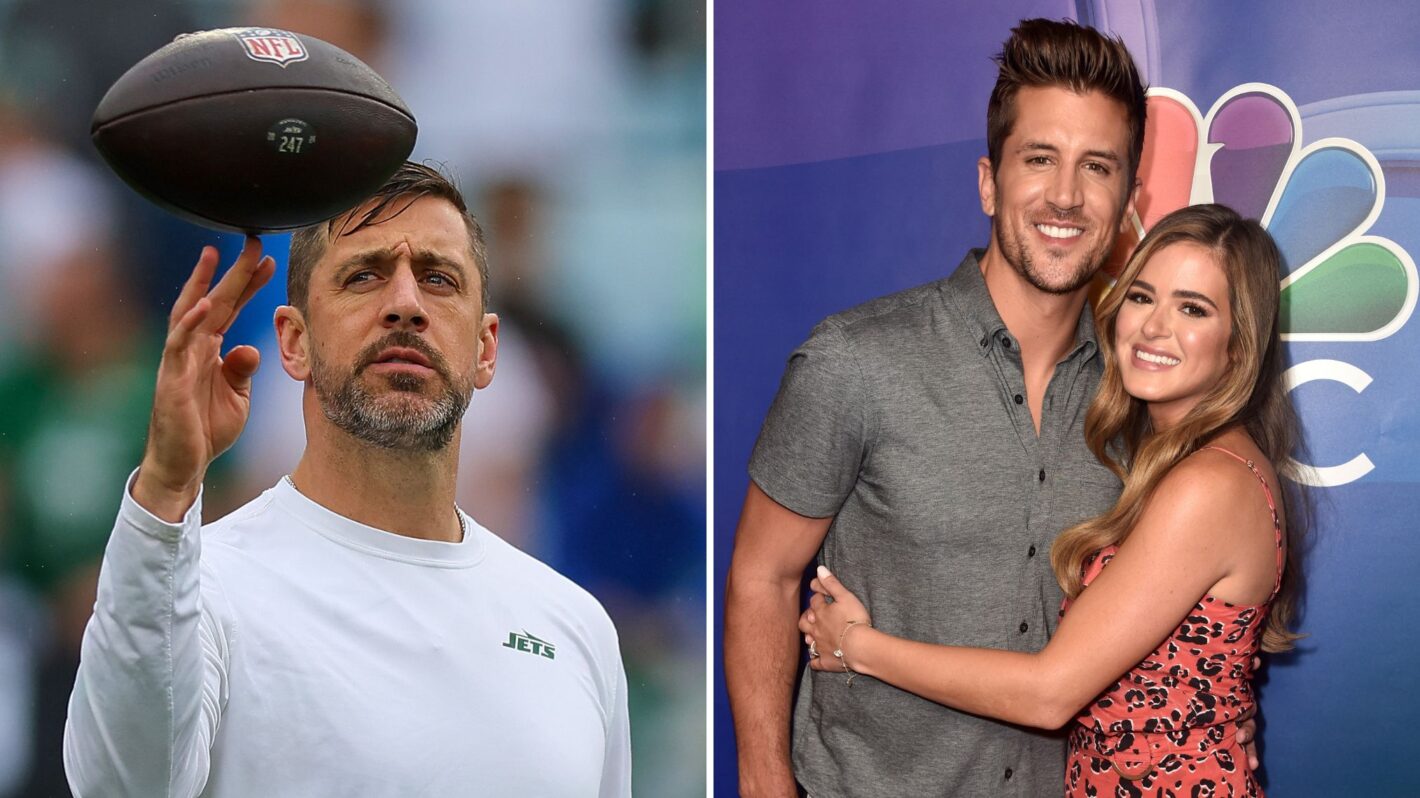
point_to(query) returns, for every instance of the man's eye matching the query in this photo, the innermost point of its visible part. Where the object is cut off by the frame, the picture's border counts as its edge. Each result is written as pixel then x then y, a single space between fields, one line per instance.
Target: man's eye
pixel 439 279
pixel 1097 167
pixel 360 277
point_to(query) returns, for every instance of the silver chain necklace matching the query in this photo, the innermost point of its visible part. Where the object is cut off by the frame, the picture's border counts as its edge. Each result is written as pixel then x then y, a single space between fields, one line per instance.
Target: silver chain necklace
pixel 463 525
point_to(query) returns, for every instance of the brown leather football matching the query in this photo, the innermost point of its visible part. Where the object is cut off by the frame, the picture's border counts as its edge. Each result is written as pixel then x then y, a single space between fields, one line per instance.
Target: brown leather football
pixel 253 130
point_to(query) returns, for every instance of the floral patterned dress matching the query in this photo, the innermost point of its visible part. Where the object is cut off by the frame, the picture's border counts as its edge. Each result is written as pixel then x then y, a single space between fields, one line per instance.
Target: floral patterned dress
pixel 1167 727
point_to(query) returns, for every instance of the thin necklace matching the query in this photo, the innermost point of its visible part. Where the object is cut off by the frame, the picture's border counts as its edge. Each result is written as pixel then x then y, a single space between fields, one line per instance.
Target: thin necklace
pixel 463 525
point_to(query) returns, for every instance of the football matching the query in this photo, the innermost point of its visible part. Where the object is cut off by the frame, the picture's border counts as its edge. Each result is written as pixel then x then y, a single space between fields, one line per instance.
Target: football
pixel 253 130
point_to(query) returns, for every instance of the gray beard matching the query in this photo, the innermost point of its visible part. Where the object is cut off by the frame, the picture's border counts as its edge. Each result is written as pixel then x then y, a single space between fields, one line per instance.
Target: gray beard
pixel 419 426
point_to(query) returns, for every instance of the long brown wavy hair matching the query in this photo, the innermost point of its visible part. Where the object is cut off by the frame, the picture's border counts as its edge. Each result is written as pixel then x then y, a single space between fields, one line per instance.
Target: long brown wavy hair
pixel 1250 395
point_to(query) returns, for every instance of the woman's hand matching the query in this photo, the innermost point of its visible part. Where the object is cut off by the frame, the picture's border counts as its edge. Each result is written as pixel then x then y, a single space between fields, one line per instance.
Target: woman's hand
pixel 827 622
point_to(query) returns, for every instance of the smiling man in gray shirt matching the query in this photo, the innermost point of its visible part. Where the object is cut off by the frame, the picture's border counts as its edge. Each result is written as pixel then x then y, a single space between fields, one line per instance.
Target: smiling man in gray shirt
pixel 928 446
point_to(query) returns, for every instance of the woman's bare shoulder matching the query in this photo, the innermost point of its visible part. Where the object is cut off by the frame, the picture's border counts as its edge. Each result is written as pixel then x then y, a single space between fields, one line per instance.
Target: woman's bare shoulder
pixel 1213 484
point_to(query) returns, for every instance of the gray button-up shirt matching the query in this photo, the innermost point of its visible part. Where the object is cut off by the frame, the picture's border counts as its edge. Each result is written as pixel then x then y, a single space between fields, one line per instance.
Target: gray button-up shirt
pixel 905 419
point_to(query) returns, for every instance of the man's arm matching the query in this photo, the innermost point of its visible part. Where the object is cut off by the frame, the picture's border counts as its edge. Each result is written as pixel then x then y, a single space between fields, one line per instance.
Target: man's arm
pixel 147 699
pixel 773 546
pixel 616 763
pixel 151 679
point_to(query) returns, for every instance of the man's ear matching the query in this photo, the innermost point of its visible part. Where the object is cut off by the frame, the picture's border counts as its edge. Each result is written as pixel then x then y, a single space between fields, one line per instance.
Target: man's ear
pixel 293 341
pixel 487 351
pixel 1126 222
pixel 986 186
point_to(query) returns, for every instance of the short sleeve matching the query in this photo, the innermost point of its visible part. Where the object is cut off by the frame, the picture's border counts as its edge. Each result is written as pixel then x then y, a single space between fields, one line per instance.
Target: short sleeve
pixel 813 442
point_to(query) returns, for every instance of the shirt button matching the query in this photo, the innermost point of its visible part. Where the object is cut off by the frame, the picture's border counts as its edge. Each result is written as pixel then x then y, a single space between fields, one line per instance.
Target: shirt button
pixel 1024 626
pixel 1008 774
pixel 1030 552
pixel 1006 342
pixel 1042 475
pixel 1019 399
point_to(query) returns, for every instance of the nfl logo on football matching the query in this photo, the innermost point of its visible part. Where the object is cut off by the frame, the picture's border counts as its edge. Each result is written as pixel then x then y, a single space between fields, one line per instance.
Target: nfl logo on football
pixel 273 46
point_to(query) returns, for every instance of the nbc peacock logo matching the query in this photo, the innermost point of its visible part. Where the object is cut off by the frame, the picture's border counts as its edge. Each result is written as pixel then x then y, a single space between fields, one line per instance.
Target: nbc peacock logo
pixel 1318 201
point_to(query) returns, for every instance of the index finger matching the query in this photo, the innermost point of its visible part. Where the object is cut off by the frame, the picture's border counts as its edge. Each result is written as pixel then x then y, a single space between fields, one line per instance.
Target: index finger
pixel 831 586
pixel 195 287
pixel 265 268
pixel 228 293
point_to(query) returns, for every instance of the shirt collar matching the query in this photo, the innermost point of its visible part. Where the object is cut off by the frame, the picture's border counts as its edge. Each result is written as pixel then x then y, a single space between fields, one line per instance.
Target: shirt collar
pixel 966 289
pixel 379 543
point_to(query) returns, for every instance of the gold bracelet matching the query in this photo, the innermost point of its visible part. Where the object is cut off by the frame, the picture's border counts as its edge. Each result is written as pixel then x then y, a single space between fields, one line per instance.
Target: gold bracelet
pixel 838 652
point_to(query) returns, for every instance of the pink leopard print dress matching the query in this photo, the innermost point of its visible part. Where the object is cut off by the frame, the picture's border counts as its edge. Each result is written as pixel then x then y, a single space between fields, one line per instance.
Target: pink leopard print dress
pixel 1167 727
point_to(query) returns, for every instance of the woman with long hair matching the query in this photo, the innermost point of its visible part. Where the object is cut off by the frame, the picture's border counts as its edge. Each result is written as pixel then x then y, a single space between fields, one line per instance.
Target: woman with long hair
pixel 1188 576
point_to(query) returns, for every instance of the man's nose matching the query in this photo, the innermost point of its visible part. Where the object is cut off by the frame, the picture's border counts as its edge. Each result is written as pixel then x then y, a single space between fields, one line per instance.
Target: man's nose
pixel 403 303
pixel 1064 190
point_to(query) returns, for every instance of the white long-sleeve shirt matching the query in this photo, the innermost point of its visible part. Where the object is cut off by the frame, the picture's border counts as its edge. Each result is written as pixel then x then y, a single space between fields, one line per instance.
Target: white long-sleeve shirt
pixel 288 651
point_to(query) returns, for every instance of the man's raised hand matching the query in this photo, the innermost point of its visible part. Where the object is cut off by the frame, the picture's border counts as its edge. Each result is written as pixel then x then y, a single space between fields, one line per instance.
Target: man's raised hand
pixel 202 399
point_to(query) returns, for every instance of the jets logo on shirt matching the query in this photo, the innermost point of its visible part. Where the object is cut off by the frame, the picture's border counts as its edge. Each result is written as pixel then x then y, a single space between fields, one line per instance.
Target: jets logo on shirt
pixel 530 644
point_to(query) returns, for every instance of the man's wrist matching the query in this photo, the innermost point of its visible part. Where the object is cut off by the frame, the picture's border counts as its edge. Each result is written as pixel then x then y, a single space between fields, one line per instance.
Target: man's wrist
pixel 163 501
pixel 776 781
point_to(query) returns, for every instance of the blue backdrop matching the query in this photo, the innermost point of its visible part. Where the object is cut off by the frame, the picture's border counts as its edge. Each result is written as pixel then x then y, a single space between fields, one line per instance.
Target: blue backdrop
pixel 846 136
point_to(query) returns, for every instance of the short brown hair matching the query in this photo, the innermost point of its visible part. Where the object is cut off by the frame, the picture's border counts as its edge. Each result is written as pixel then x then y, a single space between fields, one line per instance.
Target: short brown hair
pixel 1044 52
pixel 410 182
